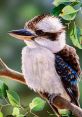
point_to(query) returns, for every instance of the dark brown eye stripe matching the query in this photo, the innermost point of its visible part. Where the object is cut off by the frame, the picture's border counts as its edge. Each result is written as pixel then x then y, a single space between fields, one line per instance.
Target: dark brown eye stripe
pixel 39 32
pixel 51 36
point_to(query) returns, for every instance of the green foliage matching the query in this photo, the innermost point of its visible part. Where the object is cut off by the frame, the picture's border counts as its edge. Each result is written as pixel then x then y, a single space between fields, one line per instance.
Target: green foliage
pixel 68 10
pixel 65 113
pixel 1 114
pixel 3 88
pixel 57 10
pixel 68 13
pixel 13 98
pixel 76 36
pixel 37 104
pixel 21 115
pixel 16 111
pixel 58 2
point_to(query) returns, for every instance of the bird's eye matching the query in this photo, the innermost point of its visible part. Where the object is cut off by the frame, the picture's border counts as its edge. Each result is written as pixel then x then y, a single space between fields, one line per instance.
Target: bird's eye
pixel 39 32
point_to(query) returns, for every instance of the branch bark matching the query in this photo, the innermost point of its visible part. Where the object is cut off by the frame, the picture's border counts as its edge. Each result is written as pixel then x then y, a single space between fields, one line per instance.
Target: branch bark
pixel 58 101
pixel 12 74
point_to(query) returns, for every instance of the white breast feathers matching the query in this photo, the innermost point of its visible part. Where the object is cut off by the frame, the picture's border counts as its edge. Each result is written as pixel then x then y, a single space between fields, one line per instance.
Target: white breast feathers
pixel 38 67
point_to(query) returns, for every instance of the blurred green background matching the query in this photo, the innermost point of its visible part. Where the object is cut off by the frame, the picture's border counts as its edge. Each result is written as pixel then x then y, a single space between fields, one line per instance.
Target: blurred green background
pixel 13 15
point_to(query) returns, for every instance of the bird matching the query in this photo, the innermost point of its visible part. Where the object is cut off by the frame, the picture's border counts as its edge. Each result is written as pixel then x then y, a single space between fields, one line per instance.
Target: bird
pixel 50 66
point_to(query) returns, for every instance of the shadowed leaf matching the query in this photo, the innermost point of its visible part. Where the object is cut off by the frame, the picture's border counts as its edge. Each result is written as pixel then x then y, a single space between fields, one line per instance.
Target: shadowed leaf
pixel 3 88
pixel 76 36
pixel 57 10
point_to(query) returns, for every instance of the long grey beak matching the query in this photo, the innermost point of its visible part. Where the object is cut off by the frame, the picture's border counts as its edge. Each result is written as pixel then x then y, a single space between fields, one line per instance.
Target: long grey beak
pixel 21 34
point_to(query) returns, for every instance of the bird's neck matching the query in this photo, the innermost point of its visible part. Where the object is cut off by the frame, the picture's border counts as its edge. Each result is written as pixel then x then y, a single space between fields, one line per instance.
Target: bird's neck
pixel 53 46
pixel 31 44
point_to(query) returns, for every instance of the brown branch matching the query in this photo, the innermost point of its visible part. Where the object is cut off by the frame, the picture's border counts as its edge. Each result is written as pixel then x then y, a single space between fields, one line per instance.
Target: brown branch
pixel 6 71
pixel 58 101
pixel 65 104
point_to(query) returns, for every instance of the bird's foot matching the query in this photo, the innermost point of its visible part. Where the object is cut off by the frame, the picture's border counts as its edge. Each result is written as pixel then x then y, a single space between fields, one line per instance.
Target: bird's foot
pixel 51 97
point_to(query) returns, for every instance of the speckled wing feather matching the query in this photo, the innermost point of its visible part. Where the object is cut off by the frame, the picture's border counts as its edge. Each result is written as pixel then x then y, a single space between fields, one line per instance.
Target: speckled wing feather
pixel 68 67
pixel 70 56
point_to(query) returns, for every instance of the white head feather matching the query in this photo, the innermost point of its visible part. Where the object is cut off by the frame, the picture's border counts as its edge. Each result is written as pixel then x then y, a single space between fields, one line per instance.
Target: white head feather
pixel 49 24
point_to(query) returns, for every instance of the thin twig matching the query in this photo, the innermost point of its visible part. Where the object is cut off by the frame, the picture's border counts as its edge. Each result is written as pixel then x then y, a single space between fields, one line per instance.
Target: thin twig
pixel 58 101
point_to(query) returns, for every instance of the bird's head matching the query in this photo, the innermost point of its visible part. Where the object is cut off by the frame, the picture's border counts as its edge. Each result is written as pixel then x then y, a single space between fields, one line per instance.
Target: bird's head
pixel 44 30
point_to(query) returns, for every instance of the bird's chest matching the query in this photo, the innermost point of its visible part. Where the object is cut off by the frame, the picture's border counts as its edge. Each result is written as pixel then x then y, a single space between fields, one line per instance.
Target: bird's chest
pixel 38 66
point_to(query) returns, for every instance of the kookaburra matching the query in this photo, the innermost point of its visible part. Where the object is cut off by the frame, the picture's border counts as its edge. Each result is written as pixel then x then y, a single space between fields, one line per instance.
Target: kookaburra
pixel 49 65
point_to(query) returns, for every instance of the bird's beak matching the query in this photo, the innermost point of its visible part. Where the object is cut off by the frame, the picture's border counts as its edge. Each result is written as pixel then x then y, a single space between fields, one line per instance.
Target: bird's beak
pixel 21 34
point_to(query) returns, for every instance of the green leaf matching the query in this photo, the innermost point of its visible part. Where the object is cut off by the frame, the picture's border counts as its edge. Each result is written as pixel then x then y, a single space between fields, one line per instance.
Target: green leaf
pixel 3 88
pixel 21 115
pixel 76 36
pixel 37 104
pixel 77 2
pixel 58 2
pixel 1 114
pixel 57 10
pixel 13 98
pixel 64 113
pixel 16 111
pixel 68 13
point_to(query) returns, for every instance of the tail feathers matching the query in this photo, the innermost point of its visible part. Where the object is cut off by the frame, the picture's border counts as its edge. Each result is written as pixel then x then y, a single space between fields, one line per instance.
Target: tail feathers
pixel 73 98
pixel 76 102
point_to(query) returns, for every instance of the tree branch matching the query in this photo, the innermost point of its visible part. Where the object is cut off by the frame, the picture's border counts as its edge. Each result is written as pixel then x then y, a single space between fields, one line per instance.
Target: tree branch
pixel 58 101
pixel 6 71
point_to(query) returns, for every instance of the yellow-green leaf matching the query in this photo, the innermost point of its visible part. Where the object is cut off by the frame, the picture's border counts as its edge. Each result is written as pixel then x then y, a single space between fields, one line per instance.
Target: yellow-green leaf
pixel 13 98
pixel 1 114
pixel 21 115
pixel 16 111
pixel 68 13
pixel 64 113
pixel 37 104
pixel 58 2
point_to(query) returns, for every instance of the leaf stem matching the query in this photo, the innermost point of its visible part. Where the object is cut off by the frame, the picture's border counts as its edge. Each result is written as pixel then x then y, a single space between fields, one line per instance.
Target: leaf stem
pixel 33 114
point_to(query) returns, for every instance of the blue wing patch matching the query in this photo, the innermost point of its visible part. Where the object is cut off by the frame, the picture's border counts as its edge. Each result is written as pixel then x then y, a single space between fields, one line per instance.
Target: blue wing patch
pixel 69 78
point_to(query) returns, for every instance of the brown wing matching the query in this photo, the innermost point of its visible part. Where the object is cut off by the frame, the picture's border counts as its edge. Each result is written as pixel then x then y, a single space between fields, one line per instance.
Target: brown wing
pixel 70 56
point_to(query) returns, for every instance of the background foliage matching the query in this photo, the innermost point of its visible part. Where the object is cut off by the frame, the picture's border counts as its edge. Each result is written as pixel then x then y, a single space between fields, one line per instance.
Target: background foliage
pixel 13 15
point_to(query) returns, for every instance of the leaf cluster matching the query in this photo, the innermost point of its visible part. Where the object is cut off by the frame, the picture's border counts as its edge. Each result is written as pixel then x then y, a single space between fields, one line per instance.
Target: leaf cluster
pixel 11 98
pixel 68 11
